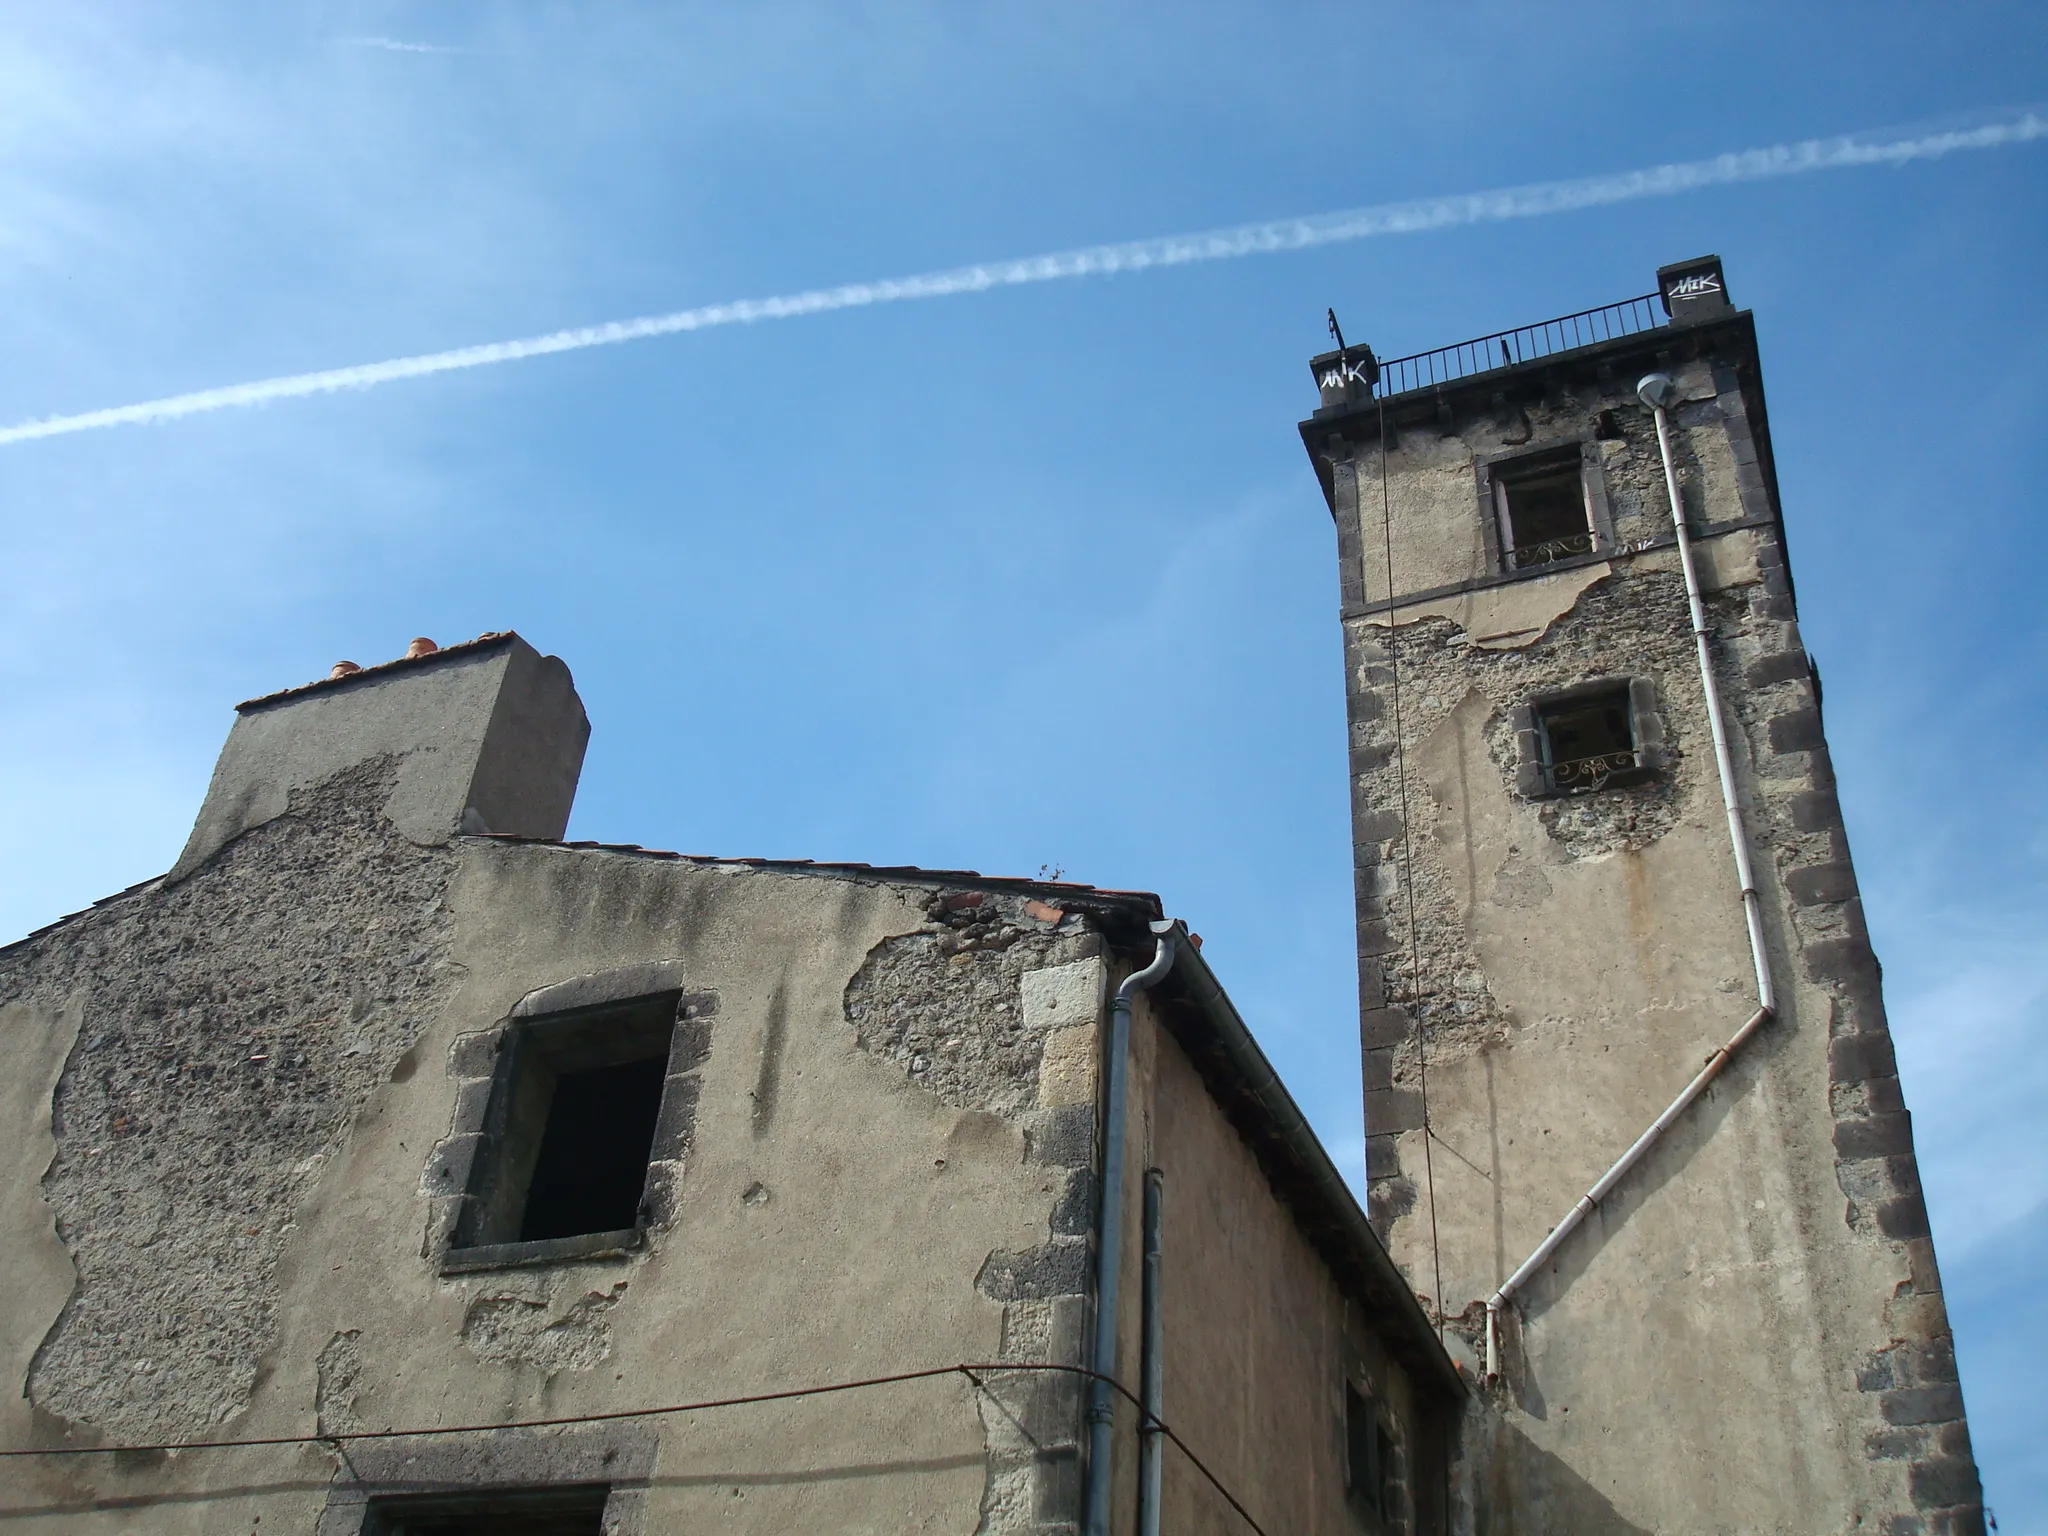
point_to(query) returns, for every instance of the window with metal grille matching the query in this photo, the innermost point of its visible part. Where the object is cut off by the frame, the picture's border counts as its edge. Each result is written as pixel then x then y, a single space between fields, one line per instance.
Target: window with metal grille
pixel 1591 740
pixel 1597 735
pixel 1543 508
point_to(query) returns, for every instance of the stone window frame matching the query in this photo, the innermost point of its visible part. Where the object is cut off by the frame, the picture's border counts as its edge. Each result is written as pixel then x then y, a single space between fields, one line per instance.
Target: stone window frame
pixel 486 1067
pixel 1592 476
pixel 1646 726
pixel 374 1472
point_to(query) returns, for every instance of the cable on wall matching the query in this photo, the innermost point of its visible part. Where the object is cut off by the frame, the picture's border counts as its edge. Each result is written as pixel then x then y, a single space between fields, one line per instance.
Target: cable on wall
pixel 1148 1421
pixel 1407 865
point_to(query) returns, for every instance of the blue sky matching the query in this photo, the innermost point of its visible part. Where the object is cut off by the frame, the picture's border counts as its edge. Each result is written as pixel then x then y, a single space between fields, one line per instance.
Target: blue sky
pixel 1034 577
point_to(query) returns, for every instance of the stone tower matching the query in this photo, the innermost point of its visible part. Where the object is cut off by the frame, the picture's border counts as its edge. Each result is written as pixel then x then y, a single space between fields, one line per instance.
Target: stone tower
pixel 1744 1331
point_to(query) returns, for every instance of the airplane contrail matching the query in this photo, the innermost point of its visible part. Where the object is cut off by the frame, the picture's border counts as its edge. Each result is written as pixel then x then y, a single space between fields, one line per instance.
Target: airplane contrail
pixel 1883 147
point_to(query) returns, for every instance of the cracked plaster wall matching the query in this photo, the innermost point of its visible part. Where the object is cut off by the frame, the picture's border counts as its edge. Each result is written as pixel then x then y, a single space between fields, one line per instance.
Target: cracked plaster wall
pixel 877 1178
pixel 995 1006
pixel 860 1194
pixel 1577 960
pixel 229 1028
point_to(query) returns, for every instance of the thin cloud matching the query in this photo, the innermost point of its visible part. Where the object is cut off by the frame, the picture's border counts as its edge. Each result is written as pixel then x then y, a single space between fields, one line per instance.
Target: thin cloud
pixel 1534 200
pixel 395 45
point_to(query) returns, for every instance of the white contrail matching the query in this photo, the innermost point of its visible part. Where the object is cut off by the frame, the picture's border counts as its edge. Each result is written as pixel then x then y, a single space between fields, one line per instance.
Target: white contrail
pixel 1523 202
pixel 395 45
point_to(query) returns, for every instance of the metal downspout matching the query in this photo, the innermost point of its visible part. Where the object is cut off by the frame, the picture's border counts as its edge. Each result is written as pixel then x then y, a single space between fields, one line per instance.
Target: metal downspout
pixel 1109 1228
pixel 1657 391
pixel 1152 1373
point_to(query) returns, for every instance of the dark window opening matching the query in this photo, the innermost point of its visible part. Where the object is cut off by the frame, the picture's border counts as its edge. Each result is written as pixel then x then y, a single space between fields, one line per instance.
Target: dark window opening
pixel 1607 427
pixel 592 1164
pixel 523 1512
pixel 1588 740
pixel 1368 1455
pixel 1542 509
pixel 575 1106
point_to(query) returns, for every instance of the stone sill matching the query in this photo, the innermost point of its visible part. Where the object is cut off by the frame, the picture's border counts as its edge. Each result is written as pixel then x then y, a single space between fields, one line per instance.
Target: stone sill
pixel 551 1250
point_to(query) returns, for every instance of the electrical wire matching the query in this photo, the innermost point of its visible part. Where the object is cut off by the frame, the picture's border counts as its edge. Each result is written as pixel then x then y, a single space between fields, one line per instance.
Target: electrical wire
pixel 1408 865
pixel 1147 1420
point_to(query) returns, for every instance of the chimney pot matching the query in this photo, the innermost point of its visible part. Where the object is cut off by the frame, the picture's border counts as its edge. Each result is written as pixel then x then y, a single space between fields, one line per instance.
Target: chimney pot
pixel 420 647
pixel 343 669
pixel 1346 377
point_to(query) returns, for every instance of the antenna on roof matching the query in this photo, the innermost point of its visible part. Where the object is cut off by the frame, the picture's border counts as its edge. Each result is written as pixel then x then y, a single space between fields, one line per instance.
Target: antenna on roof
pixel 1336 330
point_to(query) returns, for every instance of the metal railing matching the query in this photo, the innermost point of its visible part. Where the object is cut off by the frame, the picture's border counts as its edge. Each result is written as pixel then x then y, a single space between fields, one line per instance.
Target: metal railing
pixel 1550 551
pixel 1524 344
pixel 1580 774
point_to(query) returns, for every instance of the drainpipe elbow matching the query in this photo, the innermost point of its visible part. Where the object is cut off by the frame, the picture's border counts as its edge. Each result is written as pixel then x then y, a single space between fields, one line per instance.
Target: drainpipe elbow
pixel 1493 1305
pixel 1161 963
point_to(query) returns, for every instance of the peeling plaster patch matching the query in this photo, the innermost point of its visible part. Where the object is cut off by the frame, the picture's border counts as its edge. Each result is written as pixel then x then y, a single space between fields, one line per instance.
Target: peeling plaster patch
pixel 1497 618
pixel 987 1009
pixel 36 1273
pixel 1458 701
pixel 341 1372
pixel 509 1328
pixel 965 1004
pixel 234 1025
pixel 1519 883
pixel 1727 560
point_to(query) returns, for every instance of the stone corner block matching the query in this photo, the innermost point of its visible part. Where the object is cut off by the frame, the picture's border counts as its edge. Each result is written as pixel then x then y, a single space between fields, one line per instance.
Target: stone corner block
pixel 1061 1138
pixel 1066 1068
pixel 1064 996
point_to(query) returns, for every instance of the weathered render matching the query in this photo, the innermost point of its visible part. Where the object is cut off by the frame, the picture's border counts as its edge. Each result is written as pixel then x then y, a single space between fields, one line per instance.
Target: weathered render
pixel 1748 1334
pixel 263 1109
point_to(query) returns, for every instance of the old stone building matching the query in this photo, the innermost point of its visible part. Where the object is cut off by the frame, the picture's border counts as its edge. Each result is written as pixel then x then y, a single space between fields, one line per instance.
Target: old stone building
pixel 385 1118
pixel 1570 898
pixel 391 1165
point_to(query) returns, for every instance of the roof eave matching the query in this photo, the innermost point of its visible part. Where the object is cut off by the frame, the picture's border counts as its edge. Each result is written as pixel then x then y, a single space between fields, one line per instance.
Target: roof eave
pixel 1250 1091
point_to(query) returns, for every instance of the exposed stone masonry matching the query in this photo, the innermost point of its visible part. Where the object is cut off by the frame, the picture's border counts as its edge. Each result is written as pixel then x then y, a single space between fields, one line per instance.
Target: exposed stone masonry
pixel 946 1001
pixel 234 1024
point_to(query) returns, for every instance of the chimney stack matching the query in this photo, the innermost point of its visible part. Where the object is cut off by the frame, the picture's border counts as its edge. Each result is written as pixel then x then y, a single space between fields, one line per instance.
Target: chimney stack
pixel 487 736
pixel 1694 290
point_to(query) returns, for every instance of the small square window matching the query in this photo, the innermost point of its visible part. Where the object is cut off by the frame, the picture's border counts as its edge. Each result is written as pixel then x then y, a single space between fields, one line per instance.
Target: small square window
pixel 1368 1456
pixel 1592 737
pixel 1543 508
pixel 1588 740
pixel 575 1104
pixel 502 1512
